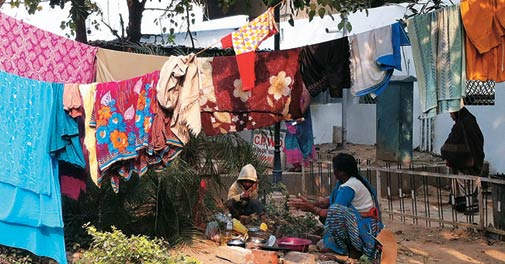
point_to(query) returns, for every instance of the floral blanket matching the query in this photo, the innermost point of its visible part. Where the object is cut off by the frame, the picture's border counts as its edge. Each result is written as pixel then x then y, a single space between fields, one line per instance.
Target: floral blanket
pixel 123 118
pixel 226 108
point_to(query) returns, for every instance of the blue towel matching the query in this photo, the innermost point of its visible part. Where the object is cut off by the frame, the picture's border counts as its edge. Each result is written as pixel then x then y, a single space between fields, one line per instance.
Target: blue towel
pixel 30 211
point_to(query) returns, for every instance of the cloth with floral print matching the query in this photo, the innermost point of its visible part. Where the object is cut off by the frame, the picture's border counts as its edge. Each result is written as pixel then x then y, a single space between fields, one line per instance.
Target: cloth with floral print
pixel 225 107
pixel 123 118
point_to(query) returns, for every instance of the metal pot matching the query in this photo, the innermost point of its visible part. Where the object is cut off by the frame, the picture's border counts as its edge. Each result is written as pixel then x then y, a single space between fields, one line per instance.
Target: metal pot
pixel 236 243
pixel 257 240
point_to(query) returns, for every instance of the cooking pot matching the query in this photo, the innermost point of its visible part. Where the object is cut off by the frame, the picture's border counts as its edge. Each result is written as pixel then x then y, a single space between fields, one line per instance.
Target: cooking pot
pixel 236 243
pixel 294 243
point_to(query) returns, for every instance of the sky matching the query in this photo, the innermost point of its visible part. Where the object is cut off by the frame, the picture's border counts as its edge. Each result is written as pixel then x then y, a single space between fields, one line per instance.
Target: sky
pixel 50 19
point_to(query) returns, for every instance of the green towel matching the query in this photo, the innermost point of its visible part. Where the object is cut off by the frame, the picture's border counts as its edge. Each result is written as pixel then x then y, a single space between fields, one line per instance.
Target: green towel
pixel 439 58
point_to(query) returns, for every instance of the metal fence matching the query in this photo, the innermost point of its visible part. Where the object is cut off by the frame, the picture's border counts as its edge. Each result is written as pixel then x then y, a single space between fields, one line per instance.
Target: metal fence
pixel 421 195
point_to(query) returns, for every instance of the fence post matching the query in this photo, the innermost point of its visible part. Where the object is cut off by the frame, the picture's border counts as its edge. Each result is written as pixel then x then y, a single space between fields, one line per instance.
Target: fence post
pixel 304 190
pixel 378 179
pixel 480 197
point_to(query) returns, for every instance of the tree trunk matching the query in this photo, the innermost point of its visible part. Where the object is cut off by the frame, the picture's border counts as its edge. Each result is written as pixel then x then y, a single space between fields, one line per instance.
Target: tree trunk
pixel 2 2
pixel 80 30
pixel 135 10
pixel 79 15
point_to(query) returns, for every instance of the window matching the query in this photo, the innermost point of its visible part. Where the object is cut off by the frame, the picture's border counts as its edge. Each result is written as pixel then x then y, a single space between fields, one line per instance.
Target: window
pixel 480 93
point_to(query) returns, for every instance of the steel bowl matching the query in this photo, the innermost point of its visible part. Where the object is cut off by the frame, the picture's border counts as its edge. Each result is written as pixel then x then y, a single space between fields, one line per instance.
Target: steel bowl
pixel 257 240
pixel 294 243
pixel 236 243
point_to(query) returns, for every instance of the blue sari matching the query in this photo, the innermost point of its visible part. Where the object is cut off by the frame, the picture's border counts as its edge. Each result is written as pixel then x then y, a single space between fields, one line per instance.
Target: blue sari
pixel 344 226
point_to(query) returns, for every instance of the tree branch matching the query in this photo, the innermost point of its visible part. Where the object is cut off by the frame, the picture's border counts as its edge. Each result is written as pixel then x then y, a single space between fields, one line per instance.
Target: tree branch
pixel 113 31
pixel 160 9
pixel 189 30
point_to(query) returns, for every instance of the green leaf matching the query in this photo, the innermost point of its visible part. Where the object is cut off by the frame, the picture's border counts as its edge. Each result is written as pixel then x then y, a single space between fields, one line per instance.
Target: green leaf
pixel 291 21
pixel 340 25
pixel 321 12
pixel 312 13
pixel 349 27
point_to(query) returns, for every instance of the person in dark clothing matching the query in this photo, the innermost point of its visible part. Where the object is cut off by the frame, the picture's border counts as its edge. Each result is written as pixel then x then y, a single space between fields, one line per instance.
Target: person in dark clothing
pixel 463 152
pixel 243 196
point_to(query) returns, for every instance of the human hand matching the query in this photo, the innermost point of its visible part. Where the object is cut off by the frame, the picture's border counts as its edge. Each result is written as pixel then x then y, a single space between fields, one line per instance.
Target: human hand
pixel 301 203
pixel 245 195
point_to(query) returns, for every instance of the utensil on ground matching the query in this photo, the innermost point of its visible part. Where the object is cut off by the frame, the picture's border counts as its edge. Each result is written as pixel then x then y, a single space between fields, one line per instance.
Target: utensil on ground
pixel 236 243
pixel 294 243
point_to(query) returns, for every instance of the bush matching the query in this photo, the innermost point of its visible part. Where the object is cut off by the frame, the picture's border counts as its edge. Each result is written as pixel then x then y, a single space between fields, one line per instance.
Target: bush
pixel 116 247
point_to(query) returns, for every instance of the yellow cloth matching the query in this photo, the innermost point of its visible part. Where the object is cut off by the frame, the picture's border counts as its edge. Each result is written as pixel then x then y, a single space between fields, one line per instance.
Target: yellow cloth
pixel 117 65
pixel 178 90
pixel 248 37
pixel 88 98
pixel 484 22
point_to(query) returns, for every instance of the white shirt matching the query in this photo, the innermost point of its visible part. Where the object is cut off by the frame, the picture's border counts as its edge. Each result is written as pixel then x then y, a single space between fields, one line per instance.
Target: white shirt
pixel 363 200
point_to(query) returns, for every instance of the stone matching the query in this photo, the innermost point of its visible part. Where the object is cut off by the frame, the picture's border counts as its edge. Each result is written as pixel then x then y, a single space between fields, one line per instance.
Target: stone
pixel 293 257
pixel 265 257
pixel 236 255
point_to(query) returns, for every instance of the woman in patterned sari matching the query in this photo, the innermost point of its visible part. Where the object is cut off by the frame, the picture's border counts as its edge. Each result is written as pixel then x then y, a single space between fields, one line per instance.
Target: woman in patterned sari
pixel 351 213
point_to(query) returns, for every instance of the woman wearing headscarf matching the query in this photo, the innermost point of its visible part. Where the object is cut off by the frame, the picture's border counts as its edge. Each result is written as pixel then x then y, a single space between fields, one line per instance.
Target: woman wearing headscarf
pixel 351 213
pixel 463 152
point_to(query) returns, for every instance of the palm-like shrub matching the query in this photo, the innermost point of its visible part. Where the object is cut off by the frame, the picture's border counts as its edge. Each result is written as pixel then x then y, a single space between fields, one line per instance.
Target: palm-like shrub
pixel 164 203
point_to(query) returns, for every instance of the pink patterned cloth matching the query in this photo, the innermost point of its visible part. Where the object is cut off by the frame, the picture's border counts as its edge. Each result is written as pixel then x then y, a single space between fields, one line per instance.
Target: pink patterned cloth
pixel 33 53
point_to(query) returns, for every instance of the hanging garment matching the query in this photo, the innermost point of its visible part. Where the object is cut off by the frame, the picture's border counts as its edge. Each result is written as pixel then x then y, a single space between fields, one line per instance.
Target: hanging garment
pixel 326 65
pixel 245 41
pixel 117 65
pixel 31 214
pixel 163 146
pixel 72 180
pixel 225 107
pixel 35 222
pixel 88 97
pixel 178 91
pixel 33 53
pixel 24 133
pixel 484 23
pixel 374 56
pixel 123 118
pixel 437 49
pixel 299 142
pixel 64 135
pixel 72 101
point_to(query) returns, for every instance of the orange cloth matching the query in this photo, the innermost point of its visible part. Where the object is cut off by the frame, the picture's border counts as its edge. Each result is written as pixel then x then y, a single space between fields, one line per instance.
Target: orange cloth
pixel 484 22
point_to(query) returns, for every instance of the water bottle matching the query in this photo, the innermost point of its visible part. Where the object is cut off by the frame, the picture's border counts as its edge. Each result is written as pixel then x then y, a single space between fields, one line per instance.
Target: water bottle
pixel 229 227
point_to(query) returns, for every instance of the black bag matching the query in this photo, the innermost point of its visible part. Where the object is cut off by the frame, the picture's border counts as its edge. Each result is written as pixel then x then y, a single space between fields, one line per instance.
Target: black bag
pixel 458 155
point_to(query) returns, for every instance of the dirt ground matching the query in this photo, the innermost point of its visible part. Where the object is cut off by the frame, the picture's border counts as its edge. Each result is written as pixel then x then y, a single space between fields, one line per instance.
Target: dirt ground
pixel 416 244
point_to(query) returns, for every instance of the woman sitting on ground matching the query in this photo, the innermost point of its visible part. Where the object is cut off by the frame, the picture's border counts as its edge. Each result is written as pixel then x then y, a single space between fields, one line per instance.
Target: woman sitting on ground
pixel 351 213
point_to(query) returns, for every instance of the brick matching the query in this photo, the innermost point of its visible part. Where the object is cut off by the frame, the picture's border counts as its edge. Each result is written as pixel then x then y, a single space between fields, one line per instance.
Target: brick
pixel 265 257
pixel 293 257
pixel 236 255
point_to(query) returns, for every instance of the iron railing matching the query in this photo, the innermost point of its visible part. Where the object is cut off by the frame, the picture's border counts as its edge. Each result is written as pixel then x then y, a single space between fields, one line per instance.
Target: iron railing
pixel 421 195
